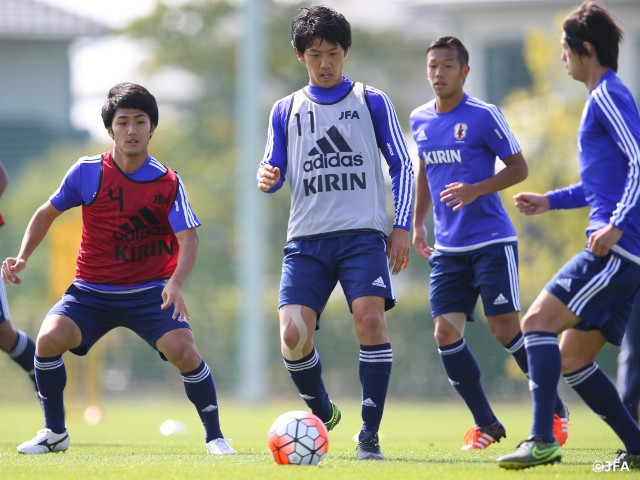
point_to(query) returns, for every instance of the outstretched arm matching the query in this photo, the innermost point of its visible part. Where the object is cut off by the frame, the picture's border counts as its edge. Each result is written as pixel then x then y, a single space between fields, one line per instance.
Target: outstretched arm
pixel 36 231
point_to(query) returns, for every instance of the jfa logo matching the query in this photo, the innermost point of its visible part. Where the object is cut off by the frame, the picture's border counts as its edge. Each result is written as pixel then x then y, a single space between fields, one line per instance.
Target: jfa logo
pixel 460 131
pixel 615 466
pixel 349 114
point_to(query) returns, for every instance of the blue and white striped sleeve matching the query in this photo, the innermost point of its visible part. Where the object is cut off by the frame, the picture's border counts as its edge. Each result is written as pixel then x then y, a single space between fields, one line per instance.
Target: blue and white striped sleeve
pixel 394 149
pixel 275 150
pixel 181 215
pixel 619 116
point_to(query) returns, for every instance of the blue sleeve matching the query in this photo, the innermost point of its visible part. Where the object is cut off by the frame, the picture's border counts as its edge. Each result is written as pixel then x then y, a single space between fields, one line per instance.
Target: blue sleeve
pixel 79 185
pixel 275 151
pixel 568 197
pixel 497 134
pixel 394 149
pixel 181 215
pixel 618 114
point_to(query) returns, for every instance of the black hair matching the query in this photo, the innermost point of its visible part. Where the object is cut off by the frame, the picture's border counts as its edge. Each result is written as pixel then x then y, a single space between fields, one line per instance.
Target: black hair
pixel 129 95
pixel 452 43
pixel 321 22
pixel 592 23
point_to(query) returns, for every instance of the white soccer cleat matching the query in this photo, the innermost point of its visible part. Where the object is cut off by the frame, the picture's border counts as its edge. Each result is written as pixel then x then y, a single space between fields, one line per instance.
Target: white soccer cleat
pixel 46 442
pixel 220 446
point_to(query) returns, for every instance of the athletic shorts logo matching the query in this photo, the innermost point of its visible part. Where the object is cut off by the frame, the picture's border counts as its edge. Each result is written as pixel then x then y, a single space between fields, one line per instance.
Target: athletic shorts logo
pixel 379 282
pixel 564 283
pixel 500 300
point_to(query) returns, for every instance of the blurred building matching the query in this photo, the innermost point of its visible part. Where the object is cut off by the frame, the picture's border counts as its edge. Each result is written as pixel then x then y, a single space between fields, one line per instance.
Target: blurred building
pixel 35 97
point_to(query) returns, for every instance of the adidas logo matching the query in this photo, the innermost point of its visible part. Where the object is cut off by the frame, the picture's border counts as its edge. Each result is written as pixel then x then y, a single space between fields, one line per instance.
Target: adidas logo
pixel 421 136
pixel 146 228
pixel 210 408
pixel 145 219
pixel 453 383
pixel 369 403
pixel 332 142
pixel 500 300
pixel 565 283
pixel 532 385
pixel 378 282
pixel 304 396
pixel 333 151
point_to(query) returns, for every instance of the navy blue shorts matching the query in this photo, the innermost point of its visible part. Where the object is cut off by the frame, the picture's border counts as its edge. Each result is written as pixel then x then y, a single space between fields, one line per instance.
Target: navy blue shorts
pixel 490 272
pixel 599 290
pixel 4 304
pixel 312 267
pixel 97 312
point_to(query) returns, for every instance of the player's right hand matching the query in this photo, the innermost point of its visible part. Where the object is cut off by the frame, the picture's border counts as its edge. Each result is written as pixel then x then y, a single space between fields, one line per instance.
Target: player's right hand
pixel 268 176
pixel 10 267
pixel 420 242
pixel 531 203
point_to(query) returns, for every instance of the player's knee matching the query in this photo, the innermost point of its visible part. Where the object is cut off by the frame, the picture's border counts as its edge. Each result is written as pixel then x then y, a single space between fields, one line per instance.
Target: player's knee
pixel 449 328
pixel 290 337
pixel 371 329
pixel 47 345
pixel 293 332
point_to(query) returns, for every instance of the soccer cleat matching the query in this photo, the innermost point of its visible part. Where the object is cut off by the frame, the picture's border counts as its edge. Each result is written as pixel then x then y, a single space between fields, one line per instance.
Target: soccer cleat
pixel 625 459
pixel 530 453
pixel 46 442
pixel 368 447
pixel 335 417
pixel 479 438
pixel 561 425
pixel 220 446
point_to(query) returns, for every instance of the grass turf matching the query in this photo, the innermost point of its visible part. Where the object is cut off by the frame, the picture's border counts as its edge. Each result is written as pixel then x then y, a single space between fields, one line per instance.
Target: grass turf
pixel 419 440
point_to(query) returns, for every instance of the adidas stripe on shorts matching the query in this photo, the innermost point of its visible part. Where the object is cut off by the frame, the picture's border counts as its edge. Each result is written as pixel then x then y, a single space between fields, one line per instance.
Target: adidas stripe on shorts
pixel 312 267
pixel 458 279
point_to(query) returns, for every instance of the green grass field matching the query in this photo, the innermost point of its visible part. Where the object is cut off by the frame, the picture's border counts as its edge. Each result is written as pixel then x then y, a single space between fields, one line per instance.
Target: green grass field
pixel 419 441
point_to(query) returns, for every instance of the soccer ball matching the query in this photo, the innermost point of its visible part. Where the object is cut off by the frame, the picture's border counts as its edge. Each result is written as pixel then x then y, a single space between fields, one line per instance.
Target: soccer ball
pixel 298 438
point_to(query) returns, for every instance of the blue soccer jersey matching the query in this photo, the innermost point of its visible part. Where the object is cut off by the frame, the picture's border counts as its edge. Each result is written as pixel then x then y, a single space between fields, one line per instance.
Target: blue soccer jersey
pixel 609 157
pixel 461 146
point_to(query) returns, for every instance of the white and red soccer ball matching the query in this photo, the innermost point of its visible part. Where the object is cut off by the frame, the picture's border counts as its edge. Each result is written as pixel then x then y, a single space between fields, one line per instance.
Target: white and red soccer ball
pixel 298 438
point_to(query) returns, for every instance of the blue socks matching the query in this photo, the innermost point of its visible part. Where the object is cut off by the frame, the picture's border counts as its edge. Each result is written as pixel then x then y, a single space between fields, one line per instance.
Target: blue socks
pixel 597 391
pixel 51 377
pixel 23 352
pixel 543 356
pixel 464 374
pixel 306 374
pixel 201 390
pixel 375 371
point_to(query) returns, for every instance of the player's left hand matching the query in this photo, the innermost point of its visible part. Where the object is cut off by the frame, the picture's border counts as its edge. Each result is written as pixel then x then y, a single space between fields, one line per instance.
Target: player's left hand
pixel 172 295
pixel 601 241
pixel 458 194
pixel 398 250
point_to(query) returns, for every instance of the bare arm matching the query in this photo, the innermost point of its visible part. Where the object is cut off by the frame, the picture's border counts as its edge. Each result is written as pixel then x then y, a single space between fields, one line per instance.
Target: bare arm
pixel 36 231
pixel 172 292
pixel 458 194
pixel 421 208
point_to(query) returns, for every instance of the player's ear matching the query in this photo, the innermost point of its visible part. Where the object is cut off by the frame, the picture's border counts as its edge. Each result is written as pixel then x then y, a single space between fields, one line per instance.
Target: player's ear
pixel 346 52
pixel 588 47
pixel 300 56
pixel 465 72
pixel 110 132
